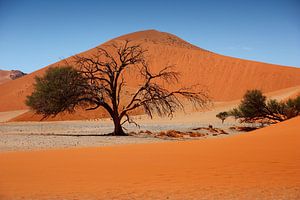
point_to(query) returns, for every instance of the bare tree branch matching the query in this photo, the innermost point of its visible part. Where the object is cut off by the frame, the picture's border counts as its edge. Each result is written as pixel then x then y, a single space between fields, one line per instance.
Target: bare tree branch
pixel 104 71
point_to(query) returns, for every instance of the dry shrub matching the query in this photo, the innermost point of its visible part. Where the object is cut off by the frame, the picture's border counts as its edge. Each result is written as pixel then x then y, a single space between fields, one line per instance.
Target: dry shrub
pixel 196 134
pixel 243 128
pixel 221 131
pixel 148 132
pixel 179 134
pixel 214 131
pixel 175 134
pixel 161 133
pixel 170 133
pixel 210 129
pixel 132 133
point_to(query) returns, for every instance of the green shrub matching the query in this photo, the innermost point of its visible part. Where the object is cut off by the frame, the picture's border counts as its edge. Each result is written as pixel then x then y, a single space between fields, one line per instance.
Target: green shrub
pixel 57 91
pixel 255 107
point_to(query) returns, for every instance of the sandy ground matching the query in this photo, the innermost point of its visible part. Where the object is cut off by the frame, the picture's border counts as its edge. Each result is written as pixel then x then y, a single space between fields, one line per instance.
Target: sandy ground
pixel 44 135
pixel 263 164
pixel 6 116
pixel 4 76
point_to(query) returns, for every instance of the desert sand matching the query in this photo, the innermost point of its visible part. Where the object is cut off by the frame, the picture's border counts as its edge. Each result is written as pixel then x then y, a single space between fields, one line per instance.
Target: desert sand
pixel 262 164
pixel 16 135
pixel 4 76
pixel 8 115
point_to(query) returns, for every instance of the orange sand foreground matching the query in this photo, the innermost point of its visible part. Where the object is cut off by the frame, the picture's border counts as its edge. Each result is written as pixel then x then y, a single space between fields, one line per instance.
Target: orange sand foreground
pixel 264 164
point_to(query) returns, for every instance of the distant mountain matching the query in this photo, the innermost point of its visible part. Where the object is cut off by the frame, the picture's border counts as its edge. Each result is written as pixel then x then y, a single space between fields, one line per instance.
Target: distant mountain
pixel 6 75
pixel 226 78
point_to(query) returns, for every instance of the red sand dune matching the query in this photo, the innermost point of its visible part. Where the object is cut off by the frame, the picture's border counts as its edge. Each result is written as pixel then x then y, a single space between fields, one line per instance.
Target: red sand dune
pixel 226 78
pixel 4 76
pixel 262 164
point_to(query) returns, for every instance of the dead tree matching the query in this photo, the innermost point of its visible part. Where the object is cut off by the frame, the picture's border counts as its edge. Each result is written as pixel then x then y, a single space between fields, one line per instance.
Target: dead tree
pixel 104 71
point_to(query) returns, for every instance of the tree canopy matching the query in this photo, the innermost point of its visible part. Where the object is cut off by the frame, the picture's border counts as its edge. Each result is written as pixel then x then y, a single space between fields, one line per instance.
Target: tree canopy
pixel 59 90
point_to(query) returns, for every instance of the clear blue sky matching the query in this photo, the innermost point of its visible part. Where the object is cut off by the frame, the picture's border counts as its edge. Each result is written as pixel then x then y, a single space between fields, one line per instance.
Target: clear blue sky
pixel 34 34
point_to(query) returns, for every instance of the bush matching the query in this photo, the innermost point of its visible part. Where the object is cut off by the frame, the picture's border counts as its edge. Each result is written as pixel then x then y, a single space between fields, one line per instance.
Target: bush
pixel 292 107
pixel 255 107
pixel 57 91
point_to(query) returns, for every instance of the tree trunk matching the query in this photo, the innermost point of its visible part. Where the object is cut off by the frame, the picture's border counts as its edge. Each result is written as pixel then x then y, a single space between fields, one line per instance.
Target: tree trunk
pixel 118 128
